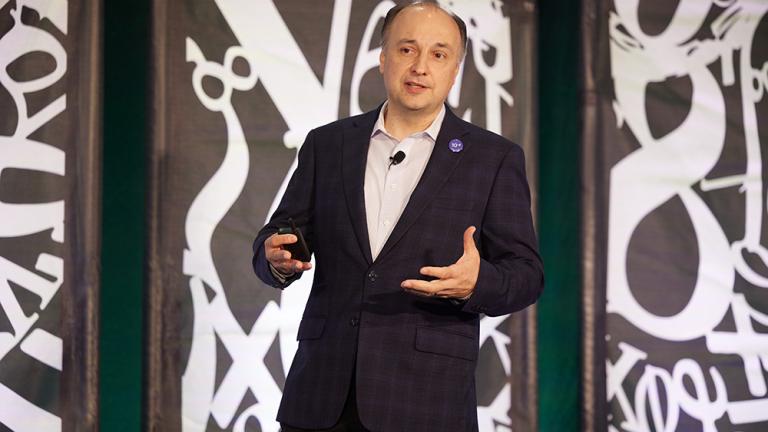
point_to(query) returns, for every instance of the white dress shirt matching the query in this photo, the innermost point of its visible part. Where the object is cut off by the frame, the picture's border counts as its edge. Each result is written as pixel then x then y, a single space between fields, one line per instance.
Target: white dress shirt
pixel 388 188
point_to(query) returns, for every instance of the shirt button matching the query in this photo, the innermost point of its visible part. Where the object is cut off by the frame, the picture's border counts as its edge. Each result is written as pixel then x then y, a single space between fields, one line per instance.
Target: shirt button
pixel 386 222
pixel 354 322
pixel 372 276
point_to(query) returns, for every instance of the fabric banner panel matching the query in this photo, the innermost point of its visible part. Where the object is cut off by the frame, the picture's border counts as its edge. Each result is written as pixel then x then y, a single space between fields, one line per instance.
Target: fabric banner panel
pixel 676 307
pixel 50 143
pixel 236 88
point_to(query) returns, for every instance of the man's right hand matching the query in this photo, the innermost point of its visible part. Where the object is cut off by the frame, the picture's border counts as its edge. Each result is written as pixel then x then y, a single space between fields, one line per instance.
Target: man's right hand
pixel 280 258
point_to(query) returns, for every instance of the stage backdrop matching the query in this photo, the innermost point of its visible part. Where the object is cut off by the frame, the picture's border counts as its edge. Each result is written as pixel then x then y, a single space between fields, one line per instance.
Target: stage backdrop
pixel 236 87
pixel 675 263
pixel 50 140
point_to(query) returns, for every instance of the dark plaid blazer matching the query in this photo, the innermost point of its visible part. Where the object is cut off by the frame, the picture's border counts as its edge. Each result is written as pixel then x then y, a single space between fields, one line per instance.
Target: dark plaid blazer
pixel 414 357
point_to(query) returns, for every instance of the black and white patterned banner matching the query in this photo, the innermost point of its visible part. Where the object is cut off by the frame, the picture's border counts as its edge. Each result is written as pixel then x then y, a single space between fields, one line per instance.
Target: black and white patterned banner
pixel 238 86
pixel 49 205
pixel 673 151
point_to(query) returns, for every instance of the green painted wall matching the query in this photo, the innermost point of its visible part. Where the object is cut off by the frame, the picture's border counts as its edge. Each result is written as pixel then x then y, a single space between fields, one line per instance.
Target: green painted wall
pixel 126 28
pixel 559 200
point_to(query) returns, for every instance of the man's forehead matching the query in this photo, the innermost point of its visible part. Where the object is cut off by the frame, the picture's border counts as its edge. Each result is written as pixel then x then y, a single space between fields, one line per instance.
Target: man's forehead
pixel 426 20
pixel 426 11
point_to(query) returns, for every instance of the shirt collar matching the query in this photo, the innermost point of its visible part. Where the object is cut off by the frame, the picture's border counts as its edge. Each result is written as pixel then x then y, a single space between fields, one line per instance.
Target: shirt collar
pixel 432 131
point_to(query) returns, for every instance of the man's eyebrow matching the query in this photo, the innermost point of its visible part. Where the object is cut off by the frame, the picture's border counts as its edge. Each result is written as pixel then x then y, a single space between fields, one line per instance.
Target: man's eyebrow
pixel 413 41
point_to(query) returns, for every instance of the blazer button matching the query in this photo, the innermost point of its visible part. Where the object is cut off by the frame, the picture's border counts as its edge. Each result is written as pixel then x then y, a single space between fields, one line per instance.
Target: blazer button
pixel 354 321
pixel 372 276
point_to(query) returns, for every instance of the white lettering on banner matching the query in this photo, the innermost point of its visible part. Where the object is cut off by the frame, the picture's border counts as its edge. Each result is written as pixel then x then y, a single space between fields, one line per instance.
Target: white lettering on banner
pixel 367 58
pixel 671 166
pixel 25 416
pixel 699 404
pixel 745 342
pixel 276 61
pixel 19 152
pixel 488 29
pixel 615 375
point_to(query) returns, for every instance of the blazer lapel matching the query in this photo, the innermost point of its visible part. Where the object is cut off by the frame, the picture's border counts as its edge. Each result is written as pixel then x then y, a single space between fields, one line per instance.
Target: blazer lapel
pixel 354 151
pixel 441 164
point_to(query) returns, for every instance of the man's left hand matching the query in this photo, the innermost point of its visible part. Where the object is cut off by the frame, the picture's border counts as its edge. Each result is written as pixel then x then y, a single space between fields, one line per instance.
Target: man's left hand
pixel 454 281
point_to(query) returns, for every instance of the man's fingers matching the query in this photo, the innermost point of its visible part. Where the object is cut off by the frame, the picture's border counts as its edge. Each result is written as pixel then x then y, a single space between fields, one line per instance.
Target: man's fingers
pixel 276 240
pixel 469 241
pixel 293 266
pixel 431 289
pixel 277 255
pixel 438 272
pixel 415 284
pixel 301 266
pixel 281 258
pixel 413 287
pixel 425 286
pixel 450 280
pixel 269 243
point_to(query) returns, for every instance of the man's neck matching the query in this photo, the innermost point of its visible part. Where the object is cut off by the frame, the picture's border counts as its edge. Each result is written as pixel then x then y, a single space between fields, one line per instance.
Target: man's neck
pixel 403 124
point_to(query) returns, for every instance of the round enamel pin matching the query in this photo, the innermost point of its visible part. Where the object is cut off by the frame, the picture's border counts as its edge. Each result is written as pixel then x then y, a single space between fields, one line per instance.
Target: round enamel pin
pixel 456 145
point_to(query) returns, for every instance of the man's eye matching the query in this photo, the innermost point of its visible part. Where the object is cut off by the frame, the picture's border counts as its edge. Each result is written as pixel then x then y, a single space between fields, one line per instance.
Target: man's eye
pixel 440 55
pixel 406 50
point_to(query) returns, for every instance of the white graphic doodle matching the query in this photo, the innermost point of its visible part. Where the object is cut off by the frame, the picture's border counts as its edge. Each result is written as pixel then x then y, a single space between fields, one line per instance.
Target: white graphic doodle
pixel 19 152
pixel 671 166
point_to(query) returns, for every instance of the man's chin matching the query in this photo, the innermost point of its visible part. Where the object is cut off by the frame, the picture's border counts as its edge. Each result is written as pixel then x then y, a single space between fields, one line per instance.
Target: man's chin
pixel 418 106
pixel 415 106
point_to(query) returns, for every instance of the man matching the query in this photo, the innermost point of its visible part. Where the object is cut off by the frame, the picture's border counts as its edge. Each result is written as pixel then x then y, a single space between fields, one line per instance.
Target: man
pixel 409 251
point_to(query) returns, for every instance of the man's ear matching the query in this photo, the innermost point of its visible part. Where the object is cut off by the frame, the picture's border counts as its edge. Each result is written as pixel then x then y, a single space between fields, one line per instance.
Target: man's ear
pixel 456 72
pixel 382 57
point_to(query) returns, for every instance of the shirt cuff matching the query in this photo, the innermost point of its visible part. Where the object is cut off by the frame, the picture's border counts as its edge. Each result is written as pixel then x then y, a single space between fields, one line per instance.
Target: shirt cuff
pixel 465 298
pixel 280 276
pixel 460 301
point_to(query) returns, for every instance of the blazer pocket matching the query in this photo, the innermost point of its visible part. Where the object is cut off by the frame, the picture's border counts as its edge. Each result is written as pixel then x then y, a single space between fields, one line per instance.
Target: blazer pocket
pixel 435 341
pixel 311 328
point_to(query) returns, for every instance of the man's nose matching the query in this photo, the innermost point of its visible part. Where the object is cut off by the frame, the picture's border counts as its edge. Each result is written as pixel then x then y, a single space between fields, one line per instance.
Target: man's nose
pixel 420 65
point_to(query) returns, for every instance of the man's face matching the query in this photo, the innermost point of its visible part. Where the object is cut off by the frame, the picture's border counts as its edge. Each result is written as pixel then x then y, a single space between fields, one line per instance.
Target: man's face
pixel 420 59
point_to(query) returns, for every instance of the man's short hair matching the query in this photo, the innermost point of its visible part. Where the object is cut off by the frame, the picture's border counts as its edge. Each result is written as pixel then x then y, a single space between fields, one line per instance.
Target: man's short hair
pixel 399 8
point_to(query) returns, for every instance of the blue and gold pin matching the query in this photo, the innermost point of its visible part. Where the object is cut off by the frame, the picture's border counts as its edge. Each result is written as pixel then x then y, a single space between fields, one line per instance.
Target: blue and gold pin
pixel 456 145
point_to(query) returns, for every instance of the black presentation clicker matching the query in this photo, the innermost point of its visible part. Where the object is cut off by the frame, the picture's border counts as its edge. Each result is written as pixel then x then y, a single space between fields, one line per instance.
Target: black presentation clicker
pixel 299 250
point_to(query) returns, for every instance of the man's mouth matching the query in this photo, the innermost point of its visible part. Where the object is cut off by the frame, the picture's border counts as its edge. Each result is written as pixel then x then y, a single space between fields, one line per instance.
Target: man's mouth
pixel 415 85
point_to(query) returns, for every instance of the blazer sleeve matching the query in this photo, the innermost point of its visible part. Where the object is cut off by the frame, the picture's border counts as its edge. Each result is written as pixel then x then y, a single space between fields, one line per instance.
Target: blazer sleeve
pixel 511 274
pixel 297 203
